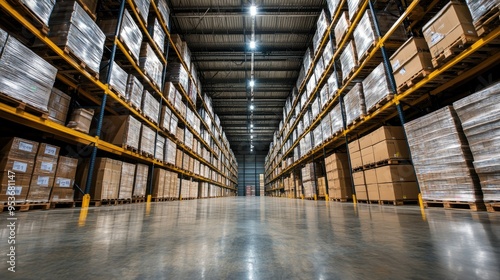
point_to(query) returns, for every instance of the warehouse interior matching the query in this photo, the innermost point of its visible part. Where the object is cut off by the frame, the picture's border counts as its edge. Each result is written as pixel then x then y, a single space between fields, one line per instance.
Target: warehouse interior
pixel 250 139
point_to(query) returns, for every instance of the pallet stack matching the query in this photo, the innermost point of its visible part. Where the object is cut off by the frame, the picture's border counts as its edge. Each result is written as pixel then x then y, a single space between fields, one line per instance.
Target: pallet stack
pixel 339 177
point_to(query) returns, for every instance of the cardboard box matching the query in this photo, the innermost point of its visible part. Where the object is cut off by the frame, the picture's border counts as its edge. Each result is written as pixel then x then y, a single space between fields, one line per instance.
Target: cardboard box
pixel 40 187
pixel 391 149
pixel 18 165
pixel 17 186
pixel 158 183
pixel 45 165
pixel 387 133
pixel 365 142
pixel 358 178
pixel 18 146
pixel 81 119
pixel 398 191
pixel 65 173
pixel 105 180
pixel 47 150
pixel 356 159
pixel 411 58
pixel 58 106
pixel 361 193
pixel 123 131
pixel 367 155
pixel 62 194
pixel 141 180
pixel 353 146
pixel 449 25
pixel 370 176
pixel 395 173
pixel 373 193
pixel 126 181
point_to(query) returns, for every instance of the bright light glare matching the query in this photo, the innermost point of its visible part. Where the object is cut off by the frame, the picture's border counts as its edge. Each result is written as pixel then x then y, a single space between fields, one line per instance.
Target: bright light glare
pixel 252 44
pixel 251 107
pixel 252 83
pixel 253 10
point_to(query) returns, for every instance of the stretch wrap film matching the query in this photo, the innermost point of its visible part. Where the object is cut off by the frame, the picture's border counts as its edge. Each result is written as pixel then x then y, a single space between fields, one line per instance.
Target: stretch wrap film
pixel 442 158
pixel 354 103
pixel 160 148
pixel 147 140
pixel 117 80
pixel 348 60
pixel 126 181
pixel 336 119
pixel 25 76
pixel 150 107
pixel 177 74
pixel 134 91
pixel 143 9
pixel 164 10
pixel 376 87
pixel 478 8
pixel 141 180
pixel 480 117
pixel 157 33
pixel 71 27
pixel 151 64
pixel 41 8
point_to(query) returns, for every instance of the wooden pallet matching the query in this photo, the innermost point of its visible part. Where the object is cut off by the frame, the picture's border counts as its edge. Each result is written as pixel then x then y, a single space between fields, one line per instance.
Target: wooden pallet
pixel 397 202
pixel 26 206
pixel 364 201
pixel 340 199
pixel 368 51
pixel 80 62
pixel 413 80
pixel 32 17
pixel 129 52
pixel 130 148
pixel 380 103
pixel 456 47
pixel 89 12
pixel 472 206
pixel 95 203
pixel 489 21
pixel 492 206
pixel 22 106
pixel 62 204
pixel 158 199
pixel 148 155
pixel 351 72
pixel 138 199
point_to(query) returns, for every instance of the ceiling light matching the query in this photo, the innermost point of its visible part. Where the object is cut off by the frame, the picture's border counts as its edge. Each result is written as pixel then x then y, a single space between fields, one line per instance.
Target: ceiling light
pixel 251 129
pixel 251 136
pixel 252 44
pixel 252 83
pixel 253 10
pixel 252 107
pixel 251 125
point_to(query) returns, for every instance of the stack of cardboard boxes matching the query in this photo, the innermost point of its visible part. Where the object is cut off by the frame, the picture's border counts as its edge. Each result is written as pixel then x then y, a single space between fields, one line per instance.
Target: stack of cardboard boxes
pixel 65 177
pixel 261 184
pixel 44 172
pixel 339 177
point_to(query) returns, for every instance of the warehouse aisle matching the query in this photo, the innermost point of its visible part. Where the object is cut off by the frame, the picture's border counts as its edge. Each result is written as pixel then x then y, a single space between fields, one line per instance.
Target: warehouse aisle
pixel 254 238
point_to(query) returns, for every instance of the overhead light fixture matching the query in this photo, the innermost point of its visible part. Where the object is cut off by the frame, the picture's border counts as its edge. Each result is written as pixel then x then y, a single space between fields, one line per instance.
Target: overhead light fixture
pixel 252 107
pixel 253 10
pixel 251 125
pixel 252 83
pixel 251 129
pixel 251 136
pixel 252 44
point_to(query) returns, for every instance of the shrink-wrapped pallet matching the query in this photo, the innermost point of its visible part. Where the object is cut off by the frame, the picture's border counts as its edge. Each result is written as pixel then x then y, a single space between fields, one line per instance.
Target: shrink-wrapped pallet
pixel 354 7
pixel 479 114
pixel 143 9
pixel 72 28
pixel 333 5
pixel 365 35
pixel 117 78
pixel 376 87
pixel 442 158
pixel 134 91
pixel 328 53
pixel 105 180
pixel 173 124
pixel 123 131
pixel 151 64
pixel 3 39
pixel 156 31
pixel 164 10
pixel 126 181
pixel 129 33
pixel 147 144
pixel 166 115
pixel 341 27
pixel 321 27
pixel 478 8
pixel 317 136
pixel 307 61
pixel 150 107
pixel 338 176
pixel 160 148
pixel 178 75
pixel 58 106
pixel 25 76
pixel 348 60
pixel 141 180
pixel 41 8
pixel 332 85
pixel 354 104
pixel 326 126
pixel 158 183
pixel 336 119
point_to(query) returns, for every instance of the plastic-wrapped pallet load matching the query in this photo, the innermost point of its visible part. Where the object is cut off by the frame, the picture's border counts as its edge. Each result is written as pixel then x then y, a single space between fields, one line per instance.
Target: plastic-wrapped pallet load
pixel 160 148
pixel 156 31
pixel 328 53
pixel 173 124
pixel 71 27
pixel 63 191
pixel 321 27
pixel 308 58
pixel 81 120
pixel 105 179
pixel 326 126
pixel 478 8
pixel 348 60
pixel 354 104
pixel 130 34
pixel 309 180
pixel 166 115
pixel 365 35
pixel 126 181
pixel 3 39
pixel 376 87
pixel 338 176
pixel 178 75
pixel 354 7
pixel 341 27
pixel 123 131
pixel 151 64
pixel 150 107
pixel 442 159
pixel 333 5
pixel 41 8
pixel 147 143
pixel 164 10
pixel 58 106
pixel 118 78
pixel 481 123
pixel 186 55
pixel 143 9
pixel 158 183
pixel 134 91
pixel 141 180
pixel 318 136
pixel 24 75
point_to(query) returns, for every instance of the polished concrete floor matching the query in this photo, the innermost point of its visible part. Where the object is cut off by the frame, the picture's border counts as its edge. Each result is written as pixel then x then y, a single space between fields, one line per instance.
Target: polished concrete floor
pixel 254 238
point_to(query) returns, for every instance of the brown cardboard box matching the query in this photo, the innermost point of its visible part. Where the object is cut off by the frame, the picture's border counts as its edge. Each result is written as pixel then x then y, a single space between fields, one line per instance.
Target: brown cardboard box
pixel 450 24
pixel 365 142
pixel 398 191
pixel 391 149
pixel 412 57
pixel 353 146
pixel 58 106
pixel 395 173
pixel 17 185
pixel 126 181
pixel 367 155
pixel 81 119
pixel 40 187
pixel 373 193
pixel 356 159
pixel 62 194
pixel 18 146
pixel 66 172
pixel 45 165
pixel 18 165
pixel 178 158
pixel 141 180
pixel 105 180
pixel 370 176
pixel 321 186
pixel 387 133
pixel 123 131
pixel 47 150
pixel 361 192
pixel 358 178
pixel 158 183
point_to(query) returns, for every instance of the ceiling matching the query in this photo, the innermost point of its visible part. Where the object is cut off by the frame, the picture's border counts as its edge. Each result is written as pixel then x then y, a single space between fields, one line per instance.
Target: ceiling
pixel 218 33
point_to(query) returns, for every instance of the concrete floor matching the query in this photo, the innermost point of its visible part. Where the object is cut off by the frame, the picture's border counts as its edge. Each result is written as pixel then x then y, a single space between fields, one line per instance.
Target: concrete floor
pixel 254 238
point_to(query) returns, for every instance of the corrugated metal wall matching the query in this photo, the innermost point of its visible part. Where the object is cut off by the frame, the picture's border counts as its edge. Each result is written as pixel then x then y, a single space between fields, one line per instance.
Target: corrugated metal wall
pixel 249 168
